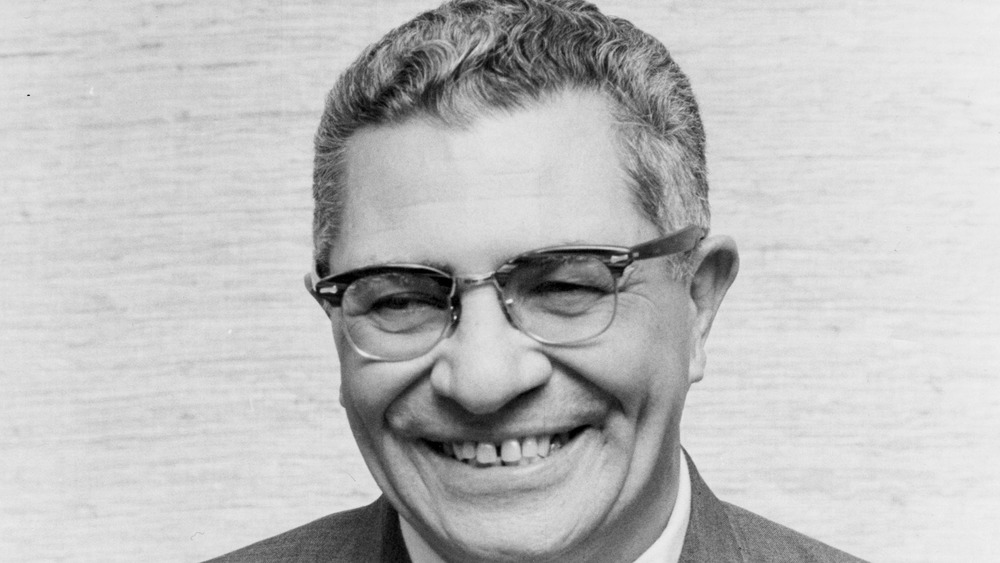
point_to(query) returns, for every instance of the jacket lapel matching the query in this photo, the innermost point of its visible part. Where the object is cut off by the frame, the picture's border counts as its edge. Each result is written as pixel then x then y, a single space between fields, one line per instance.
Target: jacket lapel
pixel 710 535
pixel 377 537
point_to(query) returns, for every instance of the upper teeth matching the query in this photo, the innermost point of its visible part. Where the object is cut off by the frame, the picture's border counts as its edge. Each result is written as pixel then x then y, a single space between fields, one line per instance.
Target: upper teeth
pixel 509 452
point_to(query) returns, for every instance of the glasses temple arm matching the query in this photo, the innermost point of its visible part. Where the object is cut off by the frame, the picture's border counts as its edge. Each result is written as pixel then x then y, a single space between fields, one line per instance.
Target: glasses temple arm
pixel 680 241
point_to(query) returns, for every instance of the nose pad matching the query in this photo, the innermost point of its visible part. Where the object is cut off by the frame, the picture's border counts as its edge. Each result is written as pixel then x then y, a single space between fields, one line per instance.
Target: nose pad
pixel 464 286
pixel 504 305
pixel 487 362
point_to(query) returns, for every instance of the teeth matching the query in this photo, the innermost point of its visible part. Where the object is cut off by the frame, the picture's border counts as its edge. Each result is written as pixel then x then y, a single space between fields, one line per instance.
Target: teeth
pixel 465 450
pixel 529 448
pixel 525 451
pixel 486 454
pixel 510 451
pixel 543 446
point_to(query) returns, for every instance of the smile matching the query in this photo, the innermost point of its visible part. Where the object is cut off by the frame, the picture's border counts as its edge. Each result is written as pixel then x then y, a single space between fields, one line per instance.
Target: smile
pixel 525 450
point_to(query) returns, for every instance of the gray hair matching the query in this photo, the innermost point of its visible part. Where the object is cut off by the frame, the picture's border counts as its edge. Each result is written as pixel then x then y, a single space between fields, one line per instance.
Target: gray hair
pixel 468 58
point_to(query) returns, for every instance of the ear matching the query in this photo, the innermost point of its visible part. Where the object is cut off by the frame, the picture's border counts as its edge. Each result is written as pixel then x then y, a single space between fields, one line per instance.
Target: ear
pixel 717 263
pixel 329 313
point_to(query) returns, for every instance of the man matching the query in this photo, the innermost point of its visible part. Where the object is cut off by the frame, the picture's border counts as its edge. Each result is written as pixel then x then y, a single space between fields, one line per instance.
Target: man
pixel 510 228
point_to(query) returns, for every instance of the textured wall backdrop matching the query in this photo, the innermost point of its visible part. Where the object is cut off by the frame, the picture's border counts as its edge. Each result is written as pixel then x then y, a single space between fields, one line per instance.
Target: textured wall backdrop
pixel 170 391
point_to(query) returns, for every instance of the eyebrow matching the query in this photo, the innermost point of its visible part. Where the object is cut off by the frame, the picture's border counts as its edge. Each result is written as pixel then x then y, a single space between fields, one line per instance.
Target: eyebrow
pixel 444 267
pixel 437 265
pixel 449 268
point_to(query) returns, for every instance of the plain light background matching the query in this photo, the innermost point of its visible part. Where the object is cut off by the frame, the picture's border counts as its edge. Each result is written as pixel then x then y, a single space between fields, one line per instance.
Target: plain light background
pixel 170 390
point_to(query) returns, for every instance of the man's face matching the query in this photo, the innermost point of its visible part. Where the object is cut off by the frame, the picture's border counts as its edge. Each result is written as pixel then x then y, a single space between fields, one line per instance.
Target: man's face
pixel 466 201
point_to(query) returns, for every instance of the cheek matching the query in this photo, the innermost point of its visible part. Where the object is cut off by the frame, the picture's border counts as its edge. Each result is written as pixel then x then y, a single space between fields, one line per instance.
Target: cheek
pixel 369 388
pixel 361 394
pixel 365 398
pixel 640 363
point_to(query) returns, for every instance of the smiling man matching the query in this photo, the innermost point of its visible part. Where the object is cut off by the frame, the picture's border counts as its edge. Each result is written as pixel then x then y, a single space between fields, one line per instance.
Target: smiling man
pixel 511 245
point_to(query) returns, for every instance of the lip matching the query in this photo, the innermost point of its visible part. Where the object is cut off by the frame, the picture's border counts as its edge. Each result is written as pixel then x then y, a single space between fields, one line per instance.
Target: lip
pixel 543 444
pixel 450 425
pixel 466 479
pixel 480 435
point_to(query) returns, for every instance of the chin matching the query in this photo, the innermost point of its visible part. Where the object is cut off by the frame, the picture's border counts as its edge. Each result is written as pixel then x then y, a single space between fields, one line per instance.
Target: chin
pixel 521 540
pixel 541 511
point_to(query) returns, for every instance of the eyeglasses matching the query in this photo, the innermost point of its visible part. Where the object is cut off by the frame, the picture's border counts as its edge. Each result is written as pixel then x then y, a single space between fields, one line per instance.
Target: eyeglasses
pixel 559 295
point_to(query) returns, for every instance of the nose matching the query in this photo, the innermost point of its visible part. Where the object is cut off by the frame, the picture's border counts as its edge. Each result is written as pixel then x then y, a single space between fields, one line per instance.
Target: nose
pixel 487 362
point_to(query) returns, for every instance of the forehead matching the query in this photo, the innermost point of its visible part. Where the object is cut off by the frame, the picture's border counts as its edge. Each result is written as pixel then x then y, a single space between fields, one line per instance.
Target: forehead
pixel 468 198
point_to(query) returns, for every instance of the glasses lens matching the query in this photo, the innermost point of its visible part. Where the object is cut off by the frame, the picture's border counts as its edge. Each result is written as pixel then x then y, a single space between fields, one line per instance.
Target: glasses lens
pixel 397 315
pixel 561 298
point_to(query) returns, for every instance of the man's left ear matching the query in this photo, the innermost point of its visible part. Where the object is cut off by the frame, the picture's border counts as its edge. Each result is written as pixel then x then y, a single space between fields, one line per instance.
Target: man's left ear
pixel 716 264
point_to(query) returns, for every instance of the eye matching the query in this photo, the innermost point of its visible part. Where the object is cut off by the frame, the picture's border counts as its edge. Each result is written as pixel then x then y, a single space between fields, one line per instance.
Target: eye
pixel 556 287
pixel 396 300
pixel 406 303
pixel 566 298
pixel 571 274
pixel 561 285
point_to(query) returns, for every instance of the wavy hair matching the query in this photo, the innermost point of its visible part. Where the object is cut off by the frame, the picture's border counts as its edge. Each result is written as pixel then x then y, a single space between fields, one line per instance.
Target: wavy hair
pixel 471 57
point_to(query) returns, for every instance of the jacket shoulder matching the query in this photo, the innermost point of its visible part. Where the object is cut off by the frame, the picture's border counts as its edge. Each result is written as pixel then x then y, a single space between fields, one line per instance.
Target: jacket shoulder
pixel 363 534
pixel 763 540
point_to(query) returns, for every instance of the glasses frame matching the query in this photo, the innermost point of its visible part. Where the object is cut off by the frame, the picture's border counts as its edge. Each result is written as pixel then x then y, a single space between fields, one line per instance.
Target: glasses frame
pixel 329 291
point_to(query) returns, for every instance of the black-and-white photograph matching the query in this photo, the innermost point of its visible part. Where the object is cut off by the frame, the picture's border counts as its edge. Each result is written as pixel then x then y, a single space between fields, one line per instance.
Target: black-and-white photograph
pixel 500 280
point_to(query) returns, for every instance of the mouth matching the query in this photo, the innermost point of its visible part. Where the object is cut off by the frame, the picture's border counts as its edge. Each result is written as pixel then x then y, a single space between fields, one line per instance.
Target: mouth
pixel 515 451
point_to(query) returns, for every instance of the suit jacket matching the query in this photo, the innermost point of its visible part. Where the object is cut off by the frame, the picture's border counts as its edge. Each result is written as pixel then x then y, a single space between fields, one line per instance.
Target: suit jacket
pixel 717 532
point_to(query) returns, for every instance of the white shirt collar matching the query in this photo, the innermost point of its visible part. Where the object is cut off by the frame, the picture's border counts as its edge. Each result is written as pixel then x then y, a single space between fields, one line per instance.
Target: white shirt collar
pixel 666 548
